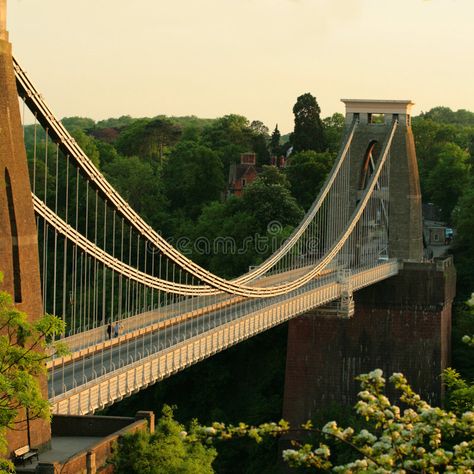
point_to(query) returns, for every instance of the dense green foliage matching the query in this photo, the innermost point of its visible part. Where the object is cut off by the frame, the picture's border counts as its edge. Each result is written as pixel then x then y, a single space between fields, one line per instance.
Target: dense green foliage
pixel 333 131
pixel 307 171
pixel 21 365
pixel 192 177
pixel 167 451
pixel 445 154
pixel 448 178
pixel 275 147
pixel 173 171
pixel 265 214
pixel 308 133
pixel 460 393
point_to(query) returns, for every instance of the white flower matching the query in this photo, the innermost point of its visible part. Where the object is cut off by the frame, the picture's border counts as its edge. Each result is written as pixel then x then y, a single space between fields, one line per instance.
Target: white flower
pixel 470 301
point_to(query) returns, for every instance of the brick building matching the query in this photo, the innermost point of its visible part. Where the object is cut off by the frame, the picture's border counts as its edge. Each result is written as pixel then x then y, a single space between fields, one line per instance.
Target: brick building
pixel 242 174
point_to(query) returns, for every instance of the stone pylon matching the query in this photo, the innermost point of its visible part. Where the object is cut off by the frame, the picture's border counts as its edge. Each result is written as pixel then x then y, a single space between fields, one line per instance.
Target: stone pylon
pixel 375 119
pixel 402 324
pixel 19 260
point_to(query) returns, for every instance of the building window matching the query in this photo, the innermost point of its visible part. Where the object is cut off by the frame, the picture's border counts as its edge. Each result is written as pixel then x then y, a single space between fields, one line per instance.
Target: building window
pixel 244 182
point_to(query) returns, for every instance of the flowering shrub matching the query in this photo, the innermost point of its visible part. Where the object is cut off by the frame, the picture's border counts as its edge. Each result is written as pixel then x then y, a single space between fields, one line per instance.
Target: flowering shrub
pixel 469 340
pixel 417 439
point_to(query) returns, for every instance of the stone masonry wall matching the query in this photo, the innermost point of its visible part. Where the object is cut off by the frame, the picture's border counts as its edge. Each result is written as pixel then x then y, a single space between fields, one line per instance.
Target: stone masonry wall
pixel 400 325
pixel 18 236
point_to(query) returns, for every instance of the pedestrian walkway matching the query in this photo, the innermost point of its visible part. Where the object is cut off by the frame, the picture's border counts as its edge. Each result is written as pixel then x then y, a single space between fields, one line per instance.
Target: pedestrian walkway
pixel 62 449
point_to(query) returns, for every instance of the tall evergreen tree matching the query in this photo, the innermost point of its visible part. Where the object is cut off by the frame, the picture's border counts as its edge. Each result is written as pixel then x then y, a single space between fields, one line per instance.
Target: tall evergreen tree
pixel 275 142
pixel 308 133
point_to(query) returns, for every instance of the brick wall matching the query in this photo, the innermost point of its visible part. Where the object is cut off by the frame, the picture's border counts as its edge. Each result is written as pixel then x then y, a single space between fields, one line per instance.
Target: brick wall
pixel 94 459
pixel 89 425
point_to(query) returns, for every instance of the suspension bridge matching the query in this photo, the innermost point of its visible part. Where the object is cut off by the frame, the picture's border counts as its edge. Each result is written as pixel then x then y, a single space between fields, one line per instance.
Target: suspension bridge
pixel 103 267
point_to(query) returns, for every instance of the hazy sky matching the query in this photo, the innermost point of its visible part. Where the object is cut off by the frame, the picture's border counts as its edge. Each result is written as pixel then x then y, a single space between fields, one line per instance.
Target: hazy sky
pixel 103 58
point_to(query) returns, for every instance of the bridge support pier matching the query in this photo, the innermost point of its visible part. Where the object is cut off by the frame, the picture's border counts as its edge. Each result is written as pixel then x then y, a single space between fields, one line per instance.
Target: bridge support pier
pixel 402 324
pixel 18 234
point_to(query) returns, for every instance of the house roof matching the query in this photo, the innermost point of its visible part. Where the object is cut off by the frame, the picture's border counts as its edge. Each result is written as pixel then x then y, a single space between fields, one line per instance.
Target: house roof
pixel 239 171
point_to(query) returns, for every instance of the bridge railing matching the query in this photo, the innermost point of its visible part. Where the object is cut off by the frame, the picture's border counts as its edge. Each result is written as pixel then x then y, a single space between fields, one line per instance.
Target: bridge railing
pixel 123 382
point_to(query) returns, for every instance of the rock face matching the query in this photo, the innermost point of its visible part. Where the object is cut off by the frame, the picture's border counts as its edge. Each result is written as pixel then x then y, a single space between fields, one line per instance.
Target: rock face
pixel 18 236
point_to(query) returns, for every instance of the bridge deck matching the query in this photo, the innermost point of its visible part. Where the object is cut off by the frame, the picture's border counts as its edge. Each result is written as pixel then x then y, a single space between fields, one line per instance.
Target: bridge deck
pixel 112 374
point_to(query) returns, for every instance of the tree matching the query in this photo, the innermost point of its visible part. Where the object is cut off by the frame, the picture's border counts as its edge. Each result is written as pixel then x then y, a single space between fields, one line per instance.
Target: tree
pixel 448 179
pixel 163 132
pixel 122 121
pixel 166 451
pixel 231 128
pixel 140 185
pixel 416 439
pixel 460 393
pixel 272 176
pixel 333 131
pixel 306 172
pixel 463 247
pixel 148 138
pixel 260 143
pixel 107 153
pixel 229 136
pixel 446 115
pixel 22 363
pixel 275 142
pixel 435 129
pixel 87 144
pixel 269 199
pixel 192 177
pixel 230 236
pixel 308 132
pixel 221 245
pixel 78 123
pixel 259 128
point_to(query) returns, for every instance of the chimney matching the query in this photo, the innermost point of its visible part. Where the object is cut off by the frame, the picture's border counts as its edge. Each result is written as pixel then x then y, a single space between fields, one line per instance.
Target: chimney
pixel 248 158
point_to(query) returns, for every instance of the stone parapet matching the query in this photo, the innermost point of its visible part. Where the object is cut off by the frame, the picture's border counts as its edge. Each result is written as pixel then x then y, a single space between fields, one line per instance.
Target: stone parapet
pixel 93 458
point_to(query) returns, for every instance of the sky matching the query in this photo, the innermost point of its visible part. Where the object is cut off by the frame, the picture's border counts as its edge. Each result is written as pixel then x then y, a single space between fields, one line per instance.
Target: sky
pixel 209 58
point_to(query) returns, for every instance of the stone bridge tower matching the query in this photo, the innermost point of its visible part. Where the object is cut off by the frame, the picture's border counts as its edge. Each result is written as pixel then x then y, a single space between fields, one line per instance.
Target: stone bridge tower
pixel 18 237
pixel 375 119
pixel 402 324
